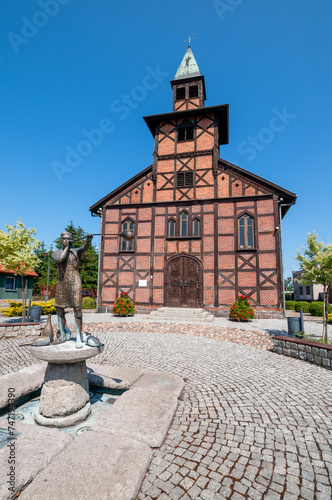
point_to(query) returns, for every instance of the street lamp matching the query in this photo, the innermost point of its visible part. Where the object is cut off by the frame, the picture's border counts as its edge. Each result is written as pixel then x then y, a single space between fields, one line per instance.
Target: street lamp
pixel 48 274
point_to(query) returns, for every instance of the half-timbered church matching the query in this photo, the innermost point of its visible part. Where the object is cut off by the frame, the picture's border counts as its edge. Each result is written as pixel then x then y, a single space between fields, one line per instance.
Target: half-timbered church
pixel 205 230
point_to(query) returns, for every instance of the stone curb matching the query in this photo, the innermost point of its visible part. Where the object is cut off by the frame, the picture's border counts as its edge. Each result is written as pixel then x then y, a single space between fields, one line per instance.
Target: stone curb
pixel 23 382
pixel 95 465
pixel 33 450
pixel 112 377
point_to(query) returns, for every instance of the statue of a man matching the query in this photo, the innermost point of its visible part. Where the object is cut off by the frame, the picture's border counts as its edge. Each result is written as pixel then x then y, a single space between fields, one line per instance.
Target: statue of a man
pixel 69 288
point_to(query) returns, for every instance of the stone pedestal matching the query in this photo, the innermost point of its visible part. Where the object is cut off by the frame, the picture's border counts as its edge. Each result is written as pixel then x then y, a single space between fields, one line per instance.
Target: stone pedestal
pixel 64 399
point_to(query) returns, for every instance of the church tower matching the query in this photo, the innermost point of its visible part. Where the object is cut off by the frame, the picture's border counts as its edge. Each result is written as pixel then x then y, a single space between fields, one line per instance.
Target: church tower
pixel 187 140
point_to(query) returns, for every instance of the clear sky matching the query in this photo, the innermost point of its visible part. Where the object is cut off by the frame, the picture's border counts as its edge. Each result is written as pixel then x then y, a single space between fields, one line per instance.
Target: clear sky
pixel 69 67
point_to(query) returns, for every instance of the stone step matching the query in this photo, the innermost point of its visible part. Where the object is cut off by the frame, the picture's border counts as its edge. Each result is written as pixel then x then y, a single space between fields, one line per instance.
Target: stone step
pixel 184 314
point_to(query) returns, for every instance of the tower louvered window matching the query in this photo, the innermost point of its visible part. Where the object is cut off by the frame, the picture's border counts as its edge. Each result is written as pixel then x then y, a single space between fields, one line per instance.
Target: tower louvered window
pixel 184 179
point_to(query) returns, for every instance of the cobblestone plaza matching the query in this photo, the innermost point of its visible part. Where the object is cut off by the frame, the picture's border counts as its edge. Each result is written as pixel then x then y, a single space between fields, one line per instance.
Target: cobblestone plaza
pixel 249 424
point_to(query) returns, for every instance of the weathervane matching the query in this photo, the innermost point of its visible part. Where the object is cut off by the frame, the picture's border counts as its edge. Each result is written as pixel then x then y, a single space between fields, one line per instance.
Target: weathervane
pixel 189 41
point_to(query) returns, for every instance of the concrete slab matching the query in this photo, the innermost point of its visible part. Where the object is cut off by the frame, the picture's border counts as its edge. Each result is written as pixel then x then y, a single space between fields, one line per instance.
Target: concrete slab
pixel 34 449
pixel 23 382
pixel 141 415
pixel 113 377
pixel 165 381
pixel 95 465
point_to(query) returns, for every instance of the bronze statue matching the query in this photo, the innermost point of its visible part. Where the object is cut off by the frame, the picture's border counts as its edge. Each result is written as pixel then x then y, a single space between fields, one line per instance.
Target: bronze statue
pixel 69 288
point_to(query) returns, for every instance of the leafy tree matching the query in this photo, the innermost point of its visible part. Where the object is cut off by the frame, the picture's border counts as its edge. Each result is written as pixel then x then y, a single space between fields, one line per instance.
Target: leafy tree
pixel 89 263
pixel 316 264
pixel 18 253
pixel 41 268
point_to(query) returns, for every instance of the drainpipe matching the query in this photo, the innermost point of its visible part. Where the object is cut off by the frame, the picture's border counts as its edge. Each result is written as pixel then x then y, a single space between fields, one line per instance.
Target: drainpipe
pixel 99 214
pixel 282 254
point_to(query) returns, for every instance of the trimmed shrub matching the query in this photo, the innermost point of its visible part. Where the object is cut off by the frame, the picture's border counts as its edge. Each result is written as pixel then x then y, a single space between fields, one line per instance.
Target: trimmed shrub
pixel 15 308
pixel 88 303
pixel 317 308
pixel 329 319
pixel 290 305
pixel 241 309
pixel 123 305
pixel 302 304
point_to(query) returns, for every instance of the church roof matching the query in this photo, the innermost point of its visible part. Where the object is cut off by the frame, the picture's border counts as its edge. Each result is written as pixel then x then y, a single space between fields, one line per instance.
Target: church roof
pixel 188 66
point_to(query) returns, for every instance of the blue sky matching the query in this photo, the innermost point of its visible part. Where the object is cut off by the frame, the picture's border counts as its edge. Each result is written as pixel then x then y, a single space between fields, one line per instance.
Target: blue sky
pixel 68 65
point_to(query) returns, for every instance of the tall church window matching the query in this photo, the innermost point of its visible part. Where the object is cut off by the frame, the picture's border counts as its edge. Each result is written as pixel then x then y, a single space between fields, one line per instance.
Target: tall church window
pixel 196 227
pixel 127 246
pixel 246 231
pixel 171 228
pixel 184 224
pixel 180 93
pixel 186 131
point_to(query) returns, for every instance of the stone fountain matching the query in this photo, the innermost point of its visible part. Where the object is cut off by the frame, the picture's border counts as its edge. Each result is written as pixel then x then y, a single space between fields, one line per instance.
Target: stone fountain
pixel 64 399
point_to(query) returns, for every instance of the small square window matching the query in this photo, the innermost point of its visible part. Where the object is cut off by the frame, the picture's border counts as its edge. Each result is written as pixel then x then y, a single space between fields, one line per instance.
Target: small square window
pixel 186 133
pixel 193 91
pixel 180 93
pixel 10 283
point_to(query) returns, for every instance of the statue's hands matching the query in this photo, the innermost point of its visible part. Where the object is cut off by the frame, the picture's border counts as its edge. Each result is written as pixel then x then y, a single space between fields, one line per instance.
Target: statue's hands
pixel 67 243
pixel 89 237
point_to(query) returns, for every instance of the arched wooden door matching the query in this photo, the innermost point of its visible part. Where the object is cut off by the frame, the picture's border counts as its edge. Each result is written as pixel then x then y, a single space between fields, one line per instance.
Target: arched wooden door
pixel 183 282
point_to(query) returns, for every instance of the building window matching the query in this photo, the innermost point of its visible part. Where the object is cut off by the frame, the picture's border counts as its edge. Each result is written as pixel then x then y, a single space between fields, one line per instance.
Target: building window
pixel 246 231
pixel 193 91
pixel 127 246
pixel 301 290
pixel 10 284
pixel 186 132
pixel 308 290
pixel 180 93
pixel 184 179
pixel 171 228
pixel 196 227
pixel 184 224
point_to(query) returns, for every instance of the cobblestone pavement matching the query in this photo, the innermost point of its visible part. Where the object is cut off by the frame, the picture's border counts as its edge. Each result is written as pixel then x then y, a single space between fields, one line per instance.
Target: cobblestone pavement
pixel 249 424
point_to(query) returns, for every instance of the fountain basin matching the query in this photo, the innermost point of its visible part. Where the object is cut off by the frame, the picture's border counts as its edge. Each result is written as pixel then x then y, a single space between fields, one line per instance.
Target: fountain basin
pixel 64 399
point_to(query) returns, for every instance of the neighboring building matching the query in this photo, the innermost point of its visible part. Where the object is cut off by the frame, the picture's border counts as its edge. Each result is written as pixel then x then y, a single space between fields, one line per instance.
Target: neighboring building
pixel 11 285
pixel 306 292
pixel 205 230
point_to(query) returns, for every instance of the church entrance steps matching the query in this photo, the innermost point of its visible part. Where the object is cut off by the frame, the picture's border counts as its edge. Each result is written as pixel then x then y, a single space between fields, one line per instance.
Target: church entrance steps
pixel 184 314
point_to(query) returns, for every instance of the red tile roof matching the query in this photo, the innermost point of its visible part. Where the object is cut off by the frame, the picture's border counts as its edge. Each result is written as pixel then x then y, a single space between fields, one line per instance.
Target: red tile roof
pixel 28 273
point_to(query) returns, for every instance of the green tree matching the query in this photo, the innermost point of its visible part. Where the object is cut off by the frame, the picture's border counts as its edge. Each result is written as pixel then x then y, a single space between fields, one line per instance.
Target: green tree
pixel 18 253
pixel 41 269
pixel 89 263
pixel 289 285
pixel 316 264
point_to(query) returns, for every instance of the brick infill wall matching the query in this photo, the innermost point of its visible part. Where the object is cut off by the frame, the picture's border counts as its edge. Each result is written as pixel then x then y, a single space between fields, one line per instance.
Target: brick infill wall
pixel 306 350
pixel 20 329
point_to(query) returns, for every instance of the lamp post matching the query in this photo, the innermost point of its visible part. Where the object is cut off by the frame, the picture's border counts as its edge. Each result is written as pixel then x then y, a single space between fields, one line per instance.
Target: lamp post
pixel 48 274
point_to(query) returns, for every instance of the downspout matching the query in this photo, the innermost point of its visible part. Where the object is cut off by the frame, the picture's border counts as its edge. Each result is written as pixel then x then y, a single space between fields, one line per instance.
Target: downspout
pixel 282 254
pixel 100 214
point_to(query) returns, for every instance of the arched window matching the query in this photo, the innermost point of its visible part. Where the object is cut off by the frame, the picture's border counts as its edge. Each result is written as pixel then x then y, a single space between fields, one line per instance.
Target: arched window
pixel 196 227
pixel 127 246
pixel 184 224
pixel 246 231
pixel 171 228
